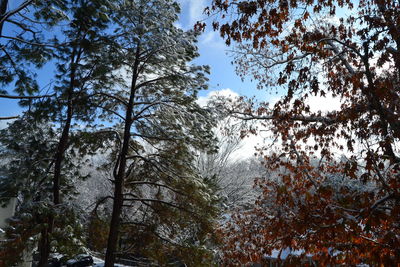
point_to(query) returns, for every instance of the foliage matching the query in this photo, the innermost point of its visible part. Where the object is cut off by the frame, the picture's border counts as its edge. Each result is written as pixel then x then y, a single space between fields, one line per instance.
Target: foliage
pixel 97 233
pixel 27 147
pixel 157 191
pixel 77 77
pixel 24 44
pixel 299 46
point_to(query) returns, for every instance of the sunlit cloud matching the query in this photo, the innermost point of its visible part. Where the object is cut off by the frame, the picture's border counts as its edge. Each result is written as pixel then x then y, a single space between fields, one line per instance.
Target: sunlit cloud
pixel 248 144
pixel 194 9
pixel 211 39
pixel 227 92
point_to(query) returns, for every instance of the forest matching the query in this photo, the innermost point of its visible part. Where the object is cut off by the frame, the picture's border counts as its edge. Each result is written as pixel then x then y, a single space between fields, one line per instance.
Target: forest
pixel 112 154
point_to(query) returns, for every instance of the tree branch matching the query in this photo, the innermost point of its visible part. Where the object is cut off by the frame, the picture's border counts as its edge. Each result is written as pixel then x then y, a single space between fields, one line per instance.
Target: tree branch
pixel 24 97
pixel 9 118
pixel 14 11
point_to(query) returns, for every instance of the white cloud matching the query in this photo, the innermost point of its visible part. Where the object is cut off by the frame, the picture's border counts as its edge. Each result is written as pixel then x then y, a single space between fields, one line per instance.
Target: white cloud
pixel 212 39
pixel 263 137
pixel 3 124
pixel 227 92
pixel 248 144
pixel 248 147
pixel 196 10
pixel 324 104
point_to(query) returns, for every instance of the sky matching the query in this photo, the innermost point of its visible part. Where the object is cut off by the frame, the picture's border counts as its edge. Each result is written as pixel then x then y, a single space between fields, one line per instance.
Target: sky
pixel 223 79
pixel 213 52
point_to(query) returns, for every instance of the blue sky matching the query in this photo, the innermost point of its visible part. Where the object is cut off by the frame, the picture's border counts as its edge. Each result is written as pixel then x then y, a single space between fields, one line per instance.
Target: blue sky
pixel 213 52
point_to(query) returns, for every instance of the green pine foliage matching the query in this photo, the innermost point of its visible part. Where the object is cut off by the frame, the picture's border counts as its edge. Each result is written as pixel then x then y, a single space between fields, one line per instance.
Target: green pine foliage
pixel 124 64
pixel 27 150
pixel 165 201
pixel 26 43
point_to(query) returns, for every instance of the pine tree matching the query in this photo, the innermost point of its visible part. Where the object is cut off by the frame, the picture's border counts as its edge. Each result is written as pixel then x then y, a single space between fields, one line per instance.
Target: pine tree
pixel 25 45
pixel 78 78
pixel 161 126
pixel 27 150
pixel 79 73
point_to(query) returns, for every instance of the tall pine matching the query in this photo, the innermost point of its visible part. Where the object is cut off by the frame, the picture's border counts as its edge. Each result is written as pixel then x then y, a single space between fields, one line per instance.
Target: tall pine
pixel 70 107
pixel 159 126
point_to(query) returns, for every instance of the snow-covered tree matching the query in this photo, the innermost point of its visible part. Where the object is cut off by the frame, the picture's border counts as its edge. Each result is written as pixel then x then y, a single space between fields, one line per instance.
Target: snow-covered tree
pixel 230 173
pixel 26 149
pixel 25 47
pixel 79 71
pixel 158 125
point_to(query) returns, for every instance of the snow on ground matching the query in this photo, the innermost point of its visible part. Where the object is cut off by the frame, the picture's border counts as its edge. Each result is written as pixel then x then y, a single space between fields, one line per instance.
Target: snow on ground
pixel 97 262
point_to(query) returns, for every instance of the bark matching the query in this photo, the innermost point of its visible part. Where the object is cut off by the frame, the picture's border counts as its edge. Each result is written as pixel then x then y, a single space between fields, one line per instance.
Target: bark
pixel 44 247
pixel 44 244
pixel 119 178
pixel 3 10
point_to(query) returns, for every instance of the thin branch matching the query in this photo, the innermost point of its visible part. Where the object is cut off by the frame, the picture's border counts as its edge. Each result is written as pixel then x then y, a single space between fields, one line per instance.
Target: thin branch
pixel 115 97
pixel 154 80
pixel 382 200
pixel 24 97
pixel 300 160
pixel 144 200
pixel 98 203
pixel 249 116
pixel 9 118
pixel 28 42
pixel 155 184
pixel 22 26
pixel 111 111
pixel 14 11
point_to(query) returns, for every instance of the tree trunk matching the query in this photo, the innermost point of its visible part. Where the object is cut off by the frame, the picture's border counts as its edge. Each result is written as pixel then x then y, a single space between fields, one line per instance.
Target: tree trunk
pixel 3 10
pixel 44 247
pixel 119 178
pixel 44 244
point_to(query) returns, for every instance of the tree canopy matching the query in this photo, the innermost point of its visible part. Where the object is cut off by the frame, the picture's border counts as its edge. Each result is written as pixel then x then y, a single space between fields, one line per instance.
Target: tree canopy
pixel 120 121
pixel 115 63
pixel 338 193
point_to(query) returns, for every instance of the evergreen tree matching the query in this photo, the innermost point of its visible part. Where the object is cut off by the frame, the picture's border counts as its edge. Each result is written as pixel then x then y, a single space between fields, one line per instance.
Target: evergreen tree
pixel 27 150
pixel 153 158
pixel 25 41
pixel 131 61
pixel 79 73
pixel 78 77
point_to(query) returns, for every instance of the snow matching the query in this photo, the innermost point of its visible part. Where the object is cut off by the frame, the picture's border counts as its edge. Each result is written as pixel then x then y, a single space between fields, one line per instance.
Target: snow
pixel 97 262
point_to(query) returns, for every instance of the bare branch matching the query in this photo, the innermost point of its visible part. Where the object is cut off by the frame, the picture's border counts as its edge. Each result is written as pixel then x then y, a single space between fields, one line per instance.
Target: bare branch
pixel 9 118
pixel 24 97
pixel 248 116
pixel 14 11
pixel 155 184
